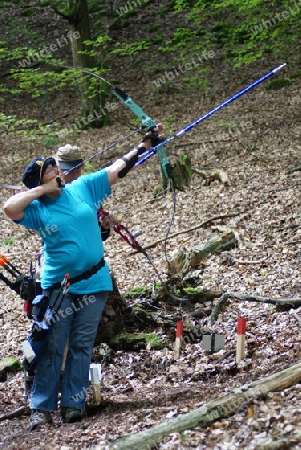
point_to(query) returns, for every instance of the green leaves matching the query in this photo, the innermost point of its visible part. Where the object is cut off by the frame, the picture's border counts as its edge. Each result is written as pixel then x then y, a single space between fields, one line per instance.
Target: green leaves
pixel 131 49
pixel 243 31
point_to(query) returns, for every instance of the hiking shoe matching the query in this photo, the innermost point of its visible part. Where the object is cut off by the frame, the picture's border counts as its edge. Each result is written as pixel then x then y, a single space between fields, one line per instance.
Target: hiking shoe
pixel 70 414
pixel 39 417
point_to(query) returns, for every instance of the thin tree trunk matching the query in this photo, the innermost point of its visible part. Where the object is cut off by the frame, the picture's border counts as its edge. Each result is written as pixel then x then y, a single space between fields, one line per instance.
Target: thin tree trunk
pixel 80 30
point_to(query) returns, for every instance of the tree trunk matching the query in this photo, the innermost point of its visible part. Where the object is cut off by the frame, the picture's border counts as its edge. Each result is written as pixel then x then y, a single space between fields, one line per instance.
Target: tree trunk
pixel 224 406
pixel 78 19
pixel 182 174
pixel 112 319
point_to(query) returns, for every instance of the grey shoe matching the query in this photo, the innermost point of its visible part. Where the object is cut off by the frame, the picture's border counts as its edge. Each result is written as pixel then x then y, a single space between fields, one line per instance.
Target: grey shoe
pixel 39 417
pixel 70 414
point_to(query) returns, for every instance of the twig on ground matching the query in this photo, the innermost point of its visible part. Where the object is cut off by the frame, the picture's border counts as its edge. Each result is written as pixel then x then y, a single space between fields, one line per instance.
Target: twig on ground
pixel 251 298
pixel 17 413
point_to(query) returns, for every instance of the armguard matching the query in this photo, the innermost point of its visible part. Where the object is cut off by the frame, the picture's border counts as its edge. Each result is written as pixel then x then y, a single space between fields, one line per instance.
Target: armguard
pixel 105 233
pixel 129 164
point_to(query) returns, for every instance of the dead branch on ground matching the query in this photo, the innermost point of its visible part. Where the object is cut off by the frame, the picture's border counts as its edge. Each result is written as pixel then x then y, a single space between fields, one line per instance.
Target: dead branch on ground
pixel 250 298
pixel 222 407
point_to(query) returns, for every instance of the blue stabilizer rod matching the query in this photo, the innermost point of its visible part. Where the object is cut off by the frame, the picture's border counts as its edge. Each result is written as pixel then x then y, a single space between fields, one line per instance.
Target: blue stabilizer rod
pixel 180 133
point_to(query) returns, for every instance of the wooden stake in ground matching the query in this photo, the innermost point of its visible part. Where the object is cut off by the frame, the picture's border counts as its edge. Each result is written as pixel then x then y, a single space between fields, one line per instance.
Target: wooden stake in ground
pixel 240 339
pixel 179 338
pixel 95 377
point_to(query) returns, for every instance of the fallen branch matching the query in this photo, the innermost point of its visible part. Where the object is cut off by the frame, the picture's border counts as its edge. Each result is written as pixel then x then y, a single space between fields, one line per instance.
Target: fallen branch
pixel 250 298
pixel 282 444
pixel 186 260
pixel 19 412
pixel 224 406
pixel 206 222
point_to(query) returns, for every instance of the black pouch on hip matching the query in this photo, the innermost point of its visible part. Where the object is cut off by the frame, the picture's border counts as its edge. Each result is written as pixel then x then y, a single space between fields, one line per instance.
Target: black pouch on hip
pixel 39 305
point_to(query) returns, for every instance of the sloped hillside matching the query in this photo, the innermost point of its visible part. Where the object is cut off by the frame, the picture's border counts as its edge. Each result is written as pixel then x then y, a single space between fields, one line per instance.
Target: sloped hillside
pixel 256 141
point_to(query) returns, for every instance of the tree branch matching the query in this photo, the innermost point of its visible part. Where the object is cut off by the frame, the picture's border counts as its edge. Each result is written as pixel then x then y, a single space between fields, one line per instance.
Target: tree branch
pixel 251 298
pixel 224 406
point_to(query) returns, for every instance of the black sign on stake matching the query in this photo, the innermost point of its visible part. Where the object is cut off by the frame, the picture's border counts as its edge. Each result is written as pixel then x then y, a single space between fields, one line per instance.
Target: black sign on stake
pixel 213 342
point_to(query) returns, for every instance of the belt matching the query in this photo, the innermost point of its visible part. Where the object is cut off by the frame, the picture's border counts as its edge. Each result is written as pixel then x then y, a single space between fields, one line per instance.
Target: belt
pixel 83 276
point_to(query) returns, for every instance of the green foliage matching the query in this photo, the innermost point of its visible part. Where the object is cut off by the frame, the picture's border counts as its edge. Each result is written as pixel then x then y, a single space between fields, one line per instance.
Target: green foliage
pixel 11 124
pixel 28 12
pixel 135 121
pixel 146 3
pixel 277 84
pixel 48 142
pixel 136 63
pixel 152 339
pixel 122 49
pixel 158 39
pixel 10 364
pixel 120 24
pixel 244 31
pixel 168 121
pixel 166 9
pixel 37 81
pixel 98 44
pixel 138 290
pixel 234 31
pixel 89 168
pixel 154 28
pixel 181 36
pixel 222 123
pixel 295 75
pixel 8 241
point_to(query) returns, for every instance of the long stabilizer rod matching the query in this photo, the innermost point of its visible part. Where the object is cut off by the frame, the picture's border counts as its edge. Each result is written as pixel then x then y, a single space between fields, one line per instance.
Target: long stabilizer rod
pixel 180 133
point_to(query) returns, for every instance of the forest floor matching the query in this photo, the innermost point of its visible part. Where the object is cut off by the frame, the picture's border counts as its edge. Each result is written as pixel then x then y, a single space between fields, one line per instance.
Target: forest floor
pixel 256 141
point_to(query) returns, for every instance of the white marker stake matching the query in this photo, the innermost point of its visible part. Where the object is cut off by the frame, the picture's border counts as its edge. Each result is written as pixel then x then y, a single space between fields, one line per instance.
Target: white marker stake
pixel 179 337
pixel 95 378
pixel 241 339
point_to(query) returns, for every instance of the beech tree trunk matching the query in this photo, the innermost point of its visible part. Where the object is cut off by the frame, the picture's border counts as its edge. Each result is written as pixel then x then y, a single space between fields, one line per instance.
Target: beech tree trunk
pixel 77 16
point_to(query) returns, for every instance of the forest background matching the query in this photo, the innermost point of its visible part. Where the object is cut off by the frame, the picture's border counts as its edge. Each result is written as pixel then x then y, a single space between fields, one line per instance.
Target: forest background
pixel 178 60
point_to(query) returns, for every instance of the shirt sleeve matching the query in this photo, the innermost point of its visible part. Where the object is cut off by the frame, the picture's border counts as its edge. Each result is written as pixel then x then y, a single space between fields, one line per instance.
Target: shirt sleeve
pixel 96 185
pixel 32 216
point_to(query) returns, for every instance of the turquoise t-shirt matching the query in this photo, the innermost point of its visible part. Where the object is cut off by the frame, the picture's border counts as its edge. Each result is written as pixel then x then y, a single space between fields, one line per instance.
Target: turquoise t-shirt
pixel 70 231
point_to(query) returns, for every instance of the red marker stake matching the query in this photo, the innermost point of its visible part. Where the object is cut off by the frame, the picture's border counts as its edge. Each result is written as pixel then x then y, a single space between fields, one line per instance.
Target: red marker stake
pixel 240 339
pixel 179 337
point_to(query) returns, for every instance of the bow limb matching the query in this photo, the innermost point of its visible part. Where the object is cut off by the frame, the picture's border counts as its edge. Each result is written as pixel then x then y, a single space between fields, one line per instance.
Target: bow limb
pixel 147 124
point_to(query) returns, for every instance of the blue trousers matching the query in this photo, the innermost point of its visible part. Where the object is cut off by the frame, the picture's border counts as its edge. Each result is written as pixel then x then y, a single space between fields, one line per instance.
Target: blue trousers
pixel 77 319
